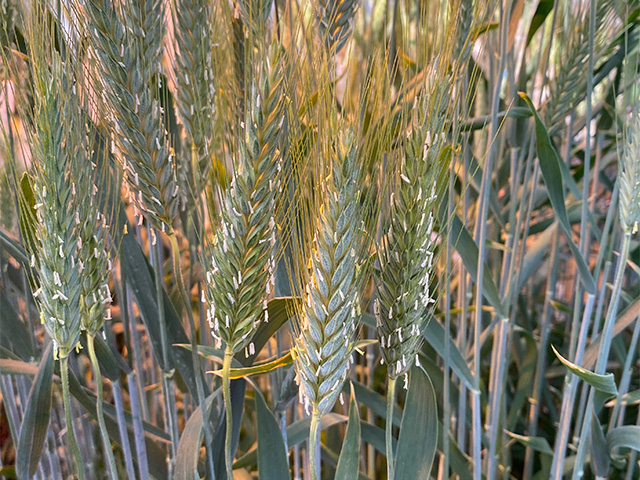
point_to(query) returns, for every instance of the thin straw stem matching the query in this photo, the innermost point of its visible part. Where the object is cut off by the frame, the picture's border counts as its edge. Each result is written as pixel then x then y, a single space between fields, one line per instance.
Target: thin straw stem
pixel 226 393
pixel 208 435
pixel 106 442
pixel 64 376
pixel 167 375
pixel 605 347
pixel 314 444
pixel 122 428
pixel 391 394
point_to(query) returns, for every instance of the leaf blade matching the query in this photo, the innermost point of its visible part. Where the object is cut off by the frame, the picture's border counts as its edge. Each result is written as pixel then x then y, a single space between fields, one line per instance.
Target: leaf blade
pixel 35 423
pixel 419 430
pixel 272 456
pixel 350 455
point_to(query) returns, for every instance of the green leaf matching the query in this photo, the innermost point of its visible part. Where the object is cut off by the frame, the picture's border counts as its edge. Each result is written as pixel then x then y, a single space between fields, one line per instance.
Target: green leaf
pixel 14 249
pixel 156 454
pixel 272 456
pixel 374 436
pixel 20 338
pixel 35 422
pixel 435 336
pixel 331 458
pixel 468 251
pixel 539 444
pixel 374 401
pixel 419 430
pixel 535 254
pixel 600 462
pixel 460 463
pixel 552 175
pixel 627 436
pixel 238 388
pixel 8 471
pixel 542 12
pixel 280 311
pixel 605 385
pixel 297 433
pixel 348 464
pixel 27 217
pixel 111 364
pixel 186 467
pixel 263 367
pixel 139 276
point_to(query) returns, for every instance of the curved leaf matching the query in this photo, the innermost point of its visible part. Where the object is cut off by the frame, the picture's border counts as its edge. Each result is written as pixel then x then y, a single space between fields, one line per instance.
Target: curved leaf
pixel 419 430
pixel 190 441
pixel 604 385
pixel 627 436
pixel 263 367
pixel 552 175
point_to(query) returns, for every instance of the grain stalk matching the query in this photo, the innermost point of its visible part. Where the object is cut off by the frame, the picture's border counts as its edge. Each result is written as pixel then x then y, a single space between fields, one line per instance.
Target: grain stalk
pixel 336 269
pixel 405 272
pixel 55 251
pixel 241 256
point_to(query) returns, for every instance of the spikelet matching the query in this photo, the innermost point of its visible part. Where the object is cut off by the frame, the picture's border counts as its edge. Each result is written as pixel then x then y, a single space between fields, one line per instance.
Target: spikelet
pixel 335 18
pixel 128 48
pixel 241 258
pixel 327 329
pixel 91 232
pixel 629 178
pixel 406 250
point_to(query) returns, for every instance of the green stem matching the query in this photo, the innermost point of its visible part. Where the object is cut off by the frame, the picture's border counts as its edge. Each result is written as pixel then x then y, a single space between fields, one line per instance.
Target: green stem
pixel 170 416
pixel 391 395
pixel 605 348
pixel 314 443
pixel 175 254
pixel 64 375
pixel 226 392
pixel 103 427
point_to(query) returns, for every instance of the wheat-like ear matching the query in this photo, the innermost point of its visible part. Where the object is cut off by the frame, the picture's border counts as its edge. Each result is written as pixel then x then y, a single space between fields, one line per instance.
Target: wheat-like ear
pixel 569 87
pixel 54 257
pixel 194 75
pixel 406 250
pixel 629 178
pixel 335 18
pixel 241 257
pixel 128 47
pixel 335 272
pixel 327 330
